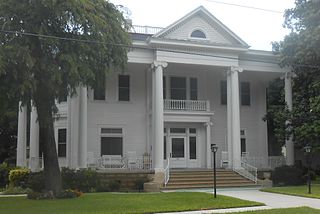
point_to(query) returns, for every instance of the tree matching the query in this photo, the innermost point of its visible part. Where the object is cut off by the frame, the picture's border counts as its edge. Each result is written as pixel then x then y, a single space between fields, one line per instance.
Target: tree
pixel 300 50
pixel 49 48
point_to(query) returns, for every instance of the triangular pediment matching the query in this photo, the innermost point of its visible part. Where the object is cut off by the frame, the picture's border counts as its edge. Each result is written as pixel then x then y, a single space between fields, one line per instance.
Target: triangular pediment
pixel 202 20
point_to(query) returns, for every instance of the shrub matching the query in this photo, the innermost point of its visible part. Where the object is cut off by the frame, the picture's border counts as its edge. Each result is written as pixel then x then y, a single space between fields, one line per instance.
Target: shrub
pixel 36 181
pixel 69 193
pixel 139 183
pixel 19 177
pixel 114 185
pixel 85 180
pixel 4 174
pixel 15 190
pixel 287 175
pixel 40 195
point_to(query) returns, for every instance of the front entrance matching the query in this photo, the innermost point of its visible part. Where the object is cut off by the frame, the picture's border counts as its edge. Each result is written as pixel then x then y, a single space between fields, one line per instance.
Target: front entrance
pixel 178 152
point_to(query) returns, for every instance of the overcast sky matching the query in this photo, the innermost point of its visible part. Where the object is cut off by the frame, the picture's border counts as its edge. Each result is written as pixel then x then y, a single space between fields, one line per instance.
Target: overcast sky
pixel 256 27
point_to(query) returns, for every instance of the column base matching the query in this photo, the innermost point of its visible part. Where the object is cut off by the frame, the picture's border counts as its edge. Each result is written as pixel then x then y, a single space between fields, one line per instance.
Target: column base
pixel 159 176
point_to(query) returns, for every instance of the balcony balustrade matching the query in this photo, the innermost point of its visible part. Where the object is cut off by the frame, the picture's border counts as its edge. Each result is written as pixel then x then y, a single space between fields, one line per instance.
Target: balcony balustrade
pixel 186 105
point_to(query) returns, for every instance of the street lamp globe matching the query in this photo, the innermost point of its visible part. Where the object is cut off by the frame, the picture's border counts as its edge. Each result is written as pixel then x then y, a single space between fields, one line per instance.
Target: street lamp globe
pixel 307 149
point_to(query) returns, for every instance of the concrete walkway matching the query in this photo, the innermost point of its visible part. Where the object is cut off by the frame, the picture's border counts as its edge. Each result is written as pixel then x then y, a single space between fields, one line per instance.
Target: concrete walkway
pixel 271 200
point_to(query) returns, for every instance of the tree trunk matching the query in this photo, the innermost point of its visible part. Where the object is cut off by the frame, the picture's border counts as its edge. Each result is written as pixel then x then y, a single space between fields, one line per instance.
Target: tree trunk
pixel 51 165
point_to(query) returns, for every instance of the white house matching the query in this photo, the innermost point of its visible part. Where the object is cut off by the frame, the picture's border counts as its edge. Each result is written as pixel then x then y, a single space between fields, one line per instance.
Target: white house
pixel 187 86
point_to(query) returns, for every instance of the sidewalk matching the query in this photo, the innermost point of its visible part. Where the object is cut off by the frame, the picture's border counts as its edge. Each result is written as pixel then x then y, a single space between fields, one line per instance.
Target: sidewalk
pixel 271 200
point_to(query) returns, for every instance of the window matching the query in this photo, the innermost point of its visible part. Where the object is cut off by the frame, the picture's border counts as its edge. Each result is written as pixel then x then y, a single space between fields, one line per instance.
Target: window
pixel 63 97
pixel 164 87
pixel 178 130
pixel 193 89
pixel 223 92
pixel 124 87
pixel 198 34
pixel 62 142
pixel 245 93
pixel 193 131
pixel 243 145
pixel 111 141
pixel 99 90
pixel 178 88
pixel 193 147
pixel 164 147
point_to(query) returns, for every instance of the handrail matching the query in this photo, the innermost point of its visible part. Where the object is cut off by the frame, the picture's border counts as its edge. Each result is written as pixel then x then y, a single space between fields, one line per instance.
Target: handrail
pixel 167 171
pixel 246 170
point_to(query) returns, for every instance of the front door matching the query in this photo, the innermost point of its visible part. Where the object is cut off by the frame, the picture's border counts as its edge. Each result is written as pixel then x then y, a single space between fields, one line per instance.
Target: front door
pixel 178 152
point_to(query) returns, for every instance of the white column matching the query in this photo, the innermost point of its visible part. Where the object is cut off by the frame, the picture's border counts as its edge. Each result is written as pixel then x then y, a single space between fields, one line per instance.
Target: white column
pixel 34 140
pixel 73 130
pixel 288 99
pixel 83 128
pixel 158 114
pixel 235 117
pixel 229 120
pixel 22 136
pixel 208 143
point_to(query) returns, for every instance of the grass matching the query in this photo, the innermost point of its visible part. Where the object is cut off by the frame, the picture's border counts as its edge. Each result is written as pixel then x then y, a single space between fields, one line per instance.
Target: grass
pixel 99 203
pixel 297 190
pixel 298 210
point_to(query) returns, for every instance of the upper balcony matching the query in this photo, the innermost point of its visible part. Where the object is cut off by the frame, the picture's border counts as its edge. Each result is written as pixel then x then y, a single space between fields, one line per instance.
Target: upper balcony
pixel 186 105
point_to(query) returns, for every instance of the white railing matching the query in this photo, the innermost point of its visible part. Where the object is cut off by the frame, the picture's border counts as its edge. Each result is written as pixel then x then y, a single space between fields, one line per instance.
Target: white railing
pixel 145 29
pixel 246 170
pixel 167 172
pixel 140 163
pixel 187 105
pixel 270 162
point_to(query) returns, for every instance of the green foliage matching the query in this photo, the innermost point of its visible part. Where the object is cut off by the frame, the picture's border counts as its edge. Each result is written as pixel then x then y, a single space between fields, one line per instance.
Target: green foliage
pixel 19 177
pixel 49 48
pixel 36 181
pixel 300 51
pixel 287 175
pixel 15 190
pixel 4 174
pixel 139 183
pixel 85 180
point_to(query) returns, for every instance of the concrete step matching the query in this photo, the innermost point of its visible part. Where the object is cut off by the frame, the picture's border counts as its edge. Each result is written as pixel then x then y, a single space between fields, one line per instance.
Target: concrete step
pixel 234 178
pixel 207 186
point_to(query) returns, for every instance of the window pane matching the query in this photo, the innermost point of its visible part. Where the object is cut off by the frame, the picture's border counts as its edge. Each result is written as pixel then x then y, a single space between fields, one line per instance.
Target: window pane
pixel 62 142
pixel 193 147
pixel 177 130
pixel 111 131
pixel 164 87
pixel 243 145
pixel 193 88
pixel 192 130
pixel 164 147
pixel 178 88
pixel 177 147
pixel 99 90
pixel 245 93
pixel 111 145
pixel 198 34
pixel 223 92
pixel 124 87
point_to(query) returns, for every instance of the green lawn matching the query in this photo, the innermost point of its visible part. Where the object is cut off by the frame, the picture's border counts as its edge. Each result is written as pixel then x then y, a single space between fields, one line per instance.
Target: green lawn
pixel 297 190
pixel 122 203
pixel 299 210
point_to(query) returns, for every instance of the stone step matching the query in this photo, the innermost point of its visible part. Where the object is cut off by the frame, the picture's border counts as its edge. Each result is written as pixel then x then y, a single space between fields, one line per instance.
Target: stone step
pixel 209 178
pixel 207 182
pixel 207 186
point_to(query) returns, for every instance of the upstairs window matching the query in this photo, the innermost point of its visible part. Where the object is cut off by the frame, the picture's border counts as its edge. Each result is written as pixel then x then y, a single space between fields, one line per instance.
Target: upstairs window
pixel 245 93
pixel 111 141
pixel 62 142
pixel 198 34
pixel 99 90
pixel 193 89
pixel 223 92
pixel 124 88
pixel 178 88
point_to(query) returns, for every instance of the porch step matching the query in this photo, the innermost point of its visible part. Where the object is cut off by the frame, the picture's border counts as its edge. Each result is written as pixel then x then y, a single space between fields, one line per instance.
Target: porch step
pixel 203 178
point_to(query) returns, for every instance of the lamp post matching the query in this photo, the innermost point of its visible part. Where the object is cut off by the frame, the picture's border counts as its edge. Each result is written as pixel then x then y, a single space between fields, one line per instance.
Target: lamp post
pixel 214 149
pixel 307 149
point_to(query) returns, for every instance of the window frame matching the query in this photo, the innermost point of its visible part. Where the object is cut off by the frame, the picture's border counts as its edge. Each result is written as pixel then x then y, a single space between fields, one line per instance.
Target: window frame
pixel 245 101
pixel 110 135
pixel 196 37
pixel 60 143
pixel 128 88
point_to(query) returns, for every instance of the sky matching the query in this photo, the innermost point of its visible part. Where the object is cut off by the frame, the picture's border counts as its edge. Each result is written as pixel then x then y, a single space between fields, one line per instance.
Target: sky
pixel 257 28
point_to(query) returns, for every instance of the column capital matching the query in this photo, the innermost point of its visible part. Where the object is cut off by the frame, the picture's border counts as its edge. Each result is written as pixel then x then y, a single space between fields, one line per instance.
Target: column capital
pixel 235 69
pixel 289 74
pixel 156 64
pixel 208 124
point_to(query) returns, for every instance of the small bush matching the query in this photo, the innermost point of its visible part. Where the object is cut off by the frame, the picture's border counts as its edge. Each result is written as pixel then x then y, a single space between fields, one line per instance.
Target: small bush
pixel 85 180
pixel 4 174
pixel 287 175
pixel 15 191
pixel 69 193
pixel 19 177
pixel 139 183
pixel 36 181
pixel 114 185
pixel 40 195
